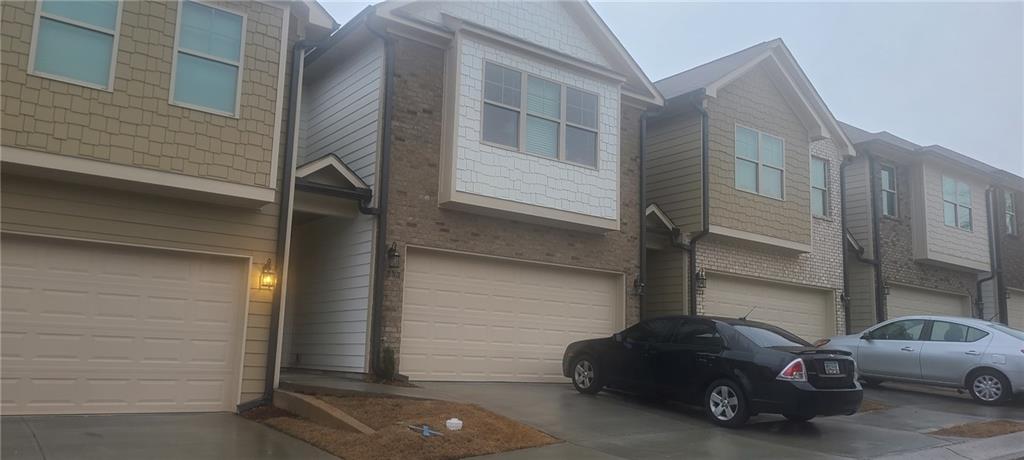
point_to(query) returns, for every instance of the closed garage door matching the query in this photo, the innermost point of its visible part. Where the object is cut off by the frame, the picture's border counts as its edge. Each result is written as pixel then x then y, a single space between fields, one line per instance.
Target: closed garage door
pixel 93 328
pixel 806 312
pixel 476 318
pixel 906 301
pixel 1015 309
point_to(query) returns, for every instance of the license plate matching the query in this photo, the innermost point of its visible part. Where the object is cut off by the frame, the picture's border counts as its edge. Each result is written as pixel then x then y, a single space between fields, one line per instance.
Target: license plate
pixel 832 368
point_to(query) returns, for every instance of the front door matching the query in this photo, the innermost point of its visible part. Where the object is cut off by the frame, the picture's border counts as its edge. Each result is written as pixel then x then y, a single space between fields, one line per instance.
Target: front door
pixel 951 351
pixel 892 350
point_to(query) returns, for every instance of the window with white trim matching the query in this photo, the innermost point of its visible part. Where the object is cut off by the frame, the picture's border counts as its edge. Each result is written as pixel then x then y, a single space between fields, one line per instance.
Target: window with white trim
pixel 1010 211
pixel 75 41
pixel 819 187
pixel 760 162
pixel 956 203
pixel 558 122
pixel 887 177
pixel 208 58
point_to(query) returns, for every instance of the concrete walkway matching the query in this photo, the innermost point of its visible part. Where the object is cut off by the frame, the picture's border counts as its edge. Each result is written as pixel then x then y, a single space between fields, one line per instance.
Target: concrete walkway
pixel 165 436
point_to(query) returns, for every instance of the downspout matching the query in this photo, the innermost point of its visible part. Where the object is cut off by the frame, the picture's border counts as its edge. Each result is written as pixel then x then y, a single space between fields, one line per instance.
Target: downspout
pixel 642 277
pixel 993 232
pixel 876 257
pixel 845 297
pixel 284 216
pixel 706 225
pixel 381 250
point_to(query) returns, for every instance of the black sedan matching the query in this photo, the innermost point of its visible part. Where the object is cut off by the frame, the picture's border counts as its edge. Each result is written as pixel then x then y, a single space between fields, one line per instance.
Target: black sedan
pixel 735 368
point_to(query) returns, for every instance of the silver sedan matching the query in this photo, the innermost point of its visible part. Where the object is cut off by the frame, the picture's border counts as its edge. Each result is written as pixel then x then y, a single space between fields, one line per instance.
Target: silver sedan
pixel 984 357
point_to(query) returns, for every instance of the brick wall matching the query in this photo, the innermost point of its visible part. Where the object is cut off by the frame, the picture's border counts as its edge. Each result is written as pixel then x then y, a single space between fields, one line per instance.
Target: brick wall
pixel 1011 246
pixel 754 101
pixel 896 239
pixel 415 218
pixel 134 124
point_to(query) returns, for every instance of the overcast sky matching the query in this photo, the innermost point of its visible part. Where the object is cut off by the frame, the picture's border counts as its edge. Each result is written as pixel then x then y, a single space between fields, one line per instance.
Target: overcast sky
pixel 932 73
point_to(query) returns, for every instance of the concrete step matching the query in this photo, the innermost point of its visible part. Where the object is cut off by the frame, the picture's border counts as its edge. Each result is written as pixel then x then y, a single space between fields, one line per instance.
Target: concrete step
pixel 311 408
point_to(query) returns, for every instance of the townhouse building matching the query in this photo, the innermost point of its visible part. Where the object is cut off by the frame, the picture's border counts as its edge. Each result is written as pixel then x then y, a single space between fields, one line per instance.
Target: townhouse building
pixel 743 202
pixel 142 153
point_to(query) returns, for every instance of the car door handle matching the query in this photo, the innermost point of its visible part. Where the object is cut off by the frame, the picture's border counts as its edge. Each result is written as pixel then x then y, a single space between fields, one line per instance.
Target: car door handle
pixel 907 348
pixel 972 353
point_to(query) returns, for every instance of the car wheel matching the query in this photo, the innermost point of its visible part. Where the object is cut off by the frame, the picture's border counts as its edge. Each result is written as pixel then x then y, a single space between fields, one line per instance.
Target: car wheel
pixel 798 417
pixel 871 383
pixel 586 376
pixel 725 403
pixel 988 386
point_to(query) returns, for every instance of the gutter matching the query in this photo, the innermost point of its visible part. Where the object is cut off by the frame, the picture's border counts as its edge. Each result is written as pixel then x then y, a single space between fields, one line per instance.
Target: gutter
pixel 642 277
pixel 704 205
pixel 993 234
pixel 845 296
pixel 363 195
pixel 381 250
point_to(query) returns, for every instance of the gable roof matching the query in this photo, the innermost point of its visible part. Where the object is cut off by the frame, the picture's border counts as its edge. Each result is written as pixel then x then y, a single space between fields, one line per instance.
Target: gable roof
pixel 637 85
pixel 708 78
pixel 332 168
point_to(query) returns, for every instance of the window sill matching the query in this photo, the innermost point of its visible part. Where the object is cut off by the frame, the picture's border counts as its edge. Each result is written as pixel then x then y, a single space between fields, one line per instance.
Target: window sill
pixel 783 199
pixel 200 108
pixel 109 88
pixel 823 218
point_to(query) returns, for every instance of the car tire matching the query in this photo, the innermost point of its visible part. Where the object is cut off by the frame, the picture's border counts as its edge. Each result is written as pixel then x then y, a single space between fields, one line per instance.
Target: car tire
pixel 871 383
pixel 989 386
pixel 586 375
pixel 798 417
pixel 725 404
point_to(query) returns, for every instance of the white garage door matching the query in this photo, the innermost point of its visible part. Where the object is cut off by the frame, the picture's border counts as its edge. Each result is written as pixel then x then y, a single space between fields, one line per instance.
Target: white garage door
pixel 1015 309
pixel 906 301
pixel 476 318
pixel 808 313
pixel 93 328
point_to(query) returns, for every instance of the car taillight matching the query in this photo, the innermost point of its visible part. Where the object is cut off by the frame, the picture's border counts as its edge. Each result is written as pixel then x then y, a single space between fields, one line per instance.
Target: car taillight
pixel 794 372
pixel 821 342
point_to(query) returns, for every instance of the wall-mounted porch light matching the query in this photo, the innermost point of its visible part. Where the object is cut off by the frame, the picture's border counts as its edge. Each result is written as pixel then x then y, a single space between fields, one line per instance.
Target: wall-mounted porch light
pixel 702 279
pixel 268 279
pixel 394 258
pixel 885 289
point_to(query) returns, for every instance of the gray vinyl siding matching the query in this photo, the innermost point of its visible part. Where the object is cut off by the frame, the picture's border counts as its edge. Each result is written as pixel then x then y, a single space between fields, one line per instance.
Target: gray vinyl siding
pixel 673 168
pixel 862 294
pixel 858 203
pixel 341 109
pixel 665 292
pixel 36 206
pixel 326 319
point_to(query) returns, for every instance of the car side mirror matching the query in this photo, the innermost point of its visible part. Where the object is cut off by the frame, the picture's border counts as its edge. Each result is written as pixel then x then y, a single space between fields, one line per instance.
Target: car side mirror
pixel 618 337
pixel 865 336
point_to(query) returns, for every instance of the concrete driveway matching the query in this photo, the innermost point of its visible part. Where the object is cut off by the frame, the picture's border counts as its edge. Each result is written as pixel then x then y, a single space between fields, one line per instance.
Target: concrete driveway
pixel 612 426
pixel 165 436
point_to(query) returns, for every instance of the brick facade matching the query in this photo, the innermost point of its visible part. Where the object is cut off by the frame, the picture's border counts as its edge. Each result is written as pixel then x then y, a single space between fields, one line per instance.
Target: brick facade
pixel 414 217
pixel 134 124
pixel 896 240
pixel 1011 247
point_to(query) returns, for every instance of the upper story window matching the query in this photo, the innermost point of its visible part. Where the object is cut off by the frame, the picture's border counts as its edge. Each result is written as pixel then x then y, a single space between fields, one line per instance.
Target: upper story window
pixel 819 187
pixel 1010 209
pixel 558 121
pixel 956 203
pixel 887 177
pixel 76 41
pixel 208 58
pixel 760 162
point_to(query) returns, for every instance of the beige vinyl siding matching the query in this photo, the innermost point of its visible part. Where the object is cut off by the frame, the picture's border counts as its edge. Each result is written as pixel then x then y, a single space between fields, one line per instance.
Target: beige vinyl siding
pixel 673 168
pixel 862 294
pixel 858 202
pixel 937 242
pixel 665 292
pixel 36 206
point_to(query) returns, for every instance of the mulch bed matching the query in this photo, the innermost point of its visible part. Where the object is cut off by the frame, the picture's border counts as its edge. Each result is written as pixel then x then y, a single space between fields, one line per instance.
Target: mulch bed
pixel 985 429
pixel 870 405
pixel 483 432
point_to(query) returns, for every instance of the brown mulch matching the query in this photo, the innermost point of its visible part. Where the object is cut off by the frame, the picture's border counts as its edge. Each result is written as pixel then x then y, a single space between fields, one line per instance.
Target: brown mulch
pixel 483 431
pixel 870 405
pixel 985 429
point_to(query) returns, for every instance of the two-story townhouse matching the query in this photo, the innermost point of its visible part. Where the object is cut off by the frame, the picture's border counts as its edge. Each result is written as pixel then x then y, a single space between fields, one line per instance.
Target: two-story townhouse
pixel 142 149
pixel 924 226
pixel 500 142
pixel 742 173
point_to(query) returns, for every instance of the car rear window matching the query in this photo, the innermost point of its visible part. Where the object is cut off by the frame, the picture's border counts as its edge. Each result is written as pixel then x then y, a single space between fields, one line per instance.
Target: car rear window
pixel 770 337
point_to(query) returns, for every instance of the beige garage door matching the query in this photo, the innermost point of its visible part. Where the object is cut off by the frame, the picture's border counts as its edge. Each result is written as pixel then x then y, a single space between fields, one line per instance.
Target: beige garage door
pixel 476 318
pixel 907 301
pixel 806 312
pixel 1015 309
pixel 93 328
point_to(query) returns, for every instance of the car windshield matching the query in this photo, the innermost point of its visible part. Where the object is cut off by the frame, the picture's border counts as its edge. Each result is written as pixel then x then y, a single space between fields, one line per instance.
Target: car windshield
pixel 1008 330
pixel 770 337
